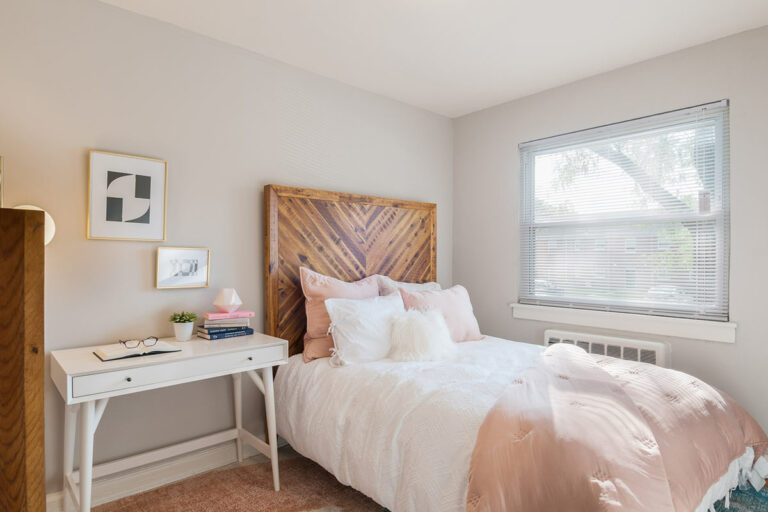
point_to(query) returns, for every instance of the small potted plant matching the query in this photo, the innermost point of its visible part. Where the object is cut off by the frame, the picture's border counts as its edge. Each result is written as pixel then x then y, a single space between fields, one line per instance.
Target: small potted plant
pixel 183 323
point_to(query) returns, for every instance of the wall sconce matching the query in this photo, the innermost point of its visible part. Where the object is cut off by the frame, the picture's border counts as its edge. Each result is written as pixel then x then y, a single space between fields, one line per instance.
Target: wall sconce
pixel 50 226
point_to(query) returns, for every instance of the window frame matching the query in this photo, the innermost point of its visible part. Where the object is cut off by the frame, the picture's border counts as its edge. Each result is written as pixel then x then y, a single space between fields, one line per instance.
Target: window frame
pixel 527 298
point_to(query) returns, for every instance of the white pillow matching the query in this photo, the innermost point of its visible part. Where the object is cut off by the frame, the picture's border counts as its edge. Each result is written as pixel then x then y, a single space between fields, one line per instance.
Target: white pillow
pixel 388 286
pixel 361 328
pixel 421 336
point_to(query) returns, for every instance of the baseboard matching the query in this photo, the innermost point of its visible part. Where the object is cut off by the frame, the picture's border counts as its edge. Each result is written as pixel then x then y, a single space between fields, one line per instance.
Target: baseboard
pixel 150 476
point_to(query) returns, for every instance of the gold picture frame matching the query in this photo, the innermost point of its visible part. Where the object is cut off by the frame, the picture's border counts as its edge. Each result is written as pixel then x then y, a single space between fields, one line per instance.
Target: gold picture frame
pixel 170 269
pixel 141 161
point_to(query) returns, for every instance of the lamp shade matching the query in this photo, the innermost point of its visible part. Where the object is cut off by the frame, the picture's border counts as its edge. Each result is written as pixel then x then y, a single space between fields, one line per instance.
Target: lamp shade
pixel 50 226
pixel 227 301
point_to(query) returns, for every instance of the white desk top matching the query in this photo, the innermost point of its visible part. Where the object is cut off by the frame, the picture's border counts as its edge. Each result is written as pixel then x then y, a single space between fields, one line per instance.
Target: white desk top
pixel 82 361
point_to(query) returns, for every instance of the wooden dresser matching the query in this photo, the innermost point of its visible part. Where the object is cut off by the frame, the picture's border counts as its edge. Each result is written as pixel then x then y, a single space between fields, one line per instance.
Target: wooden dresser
pixel 22 444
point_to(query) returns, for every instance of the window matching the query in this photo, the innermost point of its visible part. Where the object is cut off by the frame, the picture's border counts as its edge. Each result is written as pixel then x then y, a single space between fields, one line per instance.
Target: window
pixel 650 196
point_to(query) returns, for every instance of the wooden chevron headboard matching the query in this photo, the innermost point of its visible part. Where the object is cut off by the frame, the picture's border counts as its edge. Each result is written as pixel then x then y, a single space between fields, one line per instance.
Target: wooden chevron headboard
pixel 346 236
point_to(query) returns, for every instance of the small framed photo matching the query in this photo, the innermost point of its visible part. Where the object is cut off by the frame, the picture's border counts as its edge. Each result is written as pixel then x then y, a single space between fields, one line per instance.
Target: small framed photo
pixel 126 197
pixel 183 267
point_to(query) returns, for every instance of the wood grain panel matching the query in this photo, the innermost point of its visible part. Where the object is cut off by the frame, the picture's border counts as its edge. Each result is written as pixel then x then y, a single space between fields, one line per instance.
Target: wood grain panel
pixel 346 236
pixel 22 465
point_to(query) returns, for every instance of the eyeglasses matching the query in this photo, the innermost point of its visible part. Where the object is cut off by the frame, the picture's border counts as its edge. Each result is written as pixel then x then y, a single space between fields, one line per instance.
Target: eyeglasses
pixel 147 342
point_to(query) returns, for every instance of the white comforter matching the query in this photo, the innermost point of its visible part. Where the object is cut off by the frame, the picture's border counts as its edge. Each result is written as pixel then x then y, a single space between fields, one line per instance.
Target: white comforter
pixel 402 433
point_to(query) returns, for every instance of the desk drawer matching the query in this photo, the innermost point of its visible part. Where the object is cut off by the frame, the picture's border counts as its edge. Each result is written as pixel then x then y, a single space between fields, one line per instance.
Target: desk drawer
pixel 172 372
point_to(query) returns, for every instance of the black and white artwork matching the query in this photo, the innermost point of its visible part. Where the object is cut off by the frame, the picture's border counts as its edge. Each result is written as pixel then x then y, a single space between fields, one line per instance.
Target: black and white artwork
pixel 127 197
pixel 183 267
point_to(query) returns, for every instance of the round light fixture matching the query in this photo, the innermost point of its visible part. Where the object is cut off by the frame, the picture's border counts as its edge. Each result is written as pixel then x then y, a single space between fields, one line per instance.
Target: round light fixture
pixel 50 226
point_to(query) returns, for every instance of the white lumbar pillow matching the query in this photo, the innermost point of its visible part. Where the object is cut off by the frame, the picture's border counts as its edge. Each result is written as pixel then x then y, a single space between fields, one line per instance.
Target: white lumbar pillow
pixel 421 336
pixel 361 328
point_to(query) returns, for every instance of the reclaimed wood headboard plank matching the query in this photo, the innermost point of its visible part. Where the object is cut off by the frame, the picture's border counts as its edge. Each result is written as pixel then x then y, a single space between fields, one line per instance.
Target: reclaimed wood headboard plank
pixel 346 236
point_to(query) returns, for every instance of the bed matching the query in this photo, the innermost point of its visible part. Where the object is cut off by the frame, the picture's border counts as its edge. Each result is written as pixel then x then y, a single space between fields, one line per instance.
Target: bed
pixel 408 448
pixel 502 425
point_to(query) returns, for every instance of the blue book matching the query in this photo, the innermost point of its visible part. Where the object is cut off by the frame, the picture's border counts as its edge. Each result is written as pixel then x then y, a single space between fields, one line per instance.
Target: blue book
pixel 223 335
pixel 218 330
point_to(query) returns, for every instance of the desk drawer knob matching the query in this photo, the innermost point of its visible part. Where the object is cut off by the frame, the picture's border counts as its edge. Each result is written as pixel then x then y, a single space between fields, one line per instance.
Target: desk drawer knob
pixel 250 358
pixel 128 379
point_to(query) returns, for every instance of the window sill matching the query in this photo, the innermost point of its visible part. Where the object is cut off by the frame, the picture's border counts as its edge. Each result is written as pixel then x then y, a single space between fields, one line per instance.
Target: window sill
pixel 724 332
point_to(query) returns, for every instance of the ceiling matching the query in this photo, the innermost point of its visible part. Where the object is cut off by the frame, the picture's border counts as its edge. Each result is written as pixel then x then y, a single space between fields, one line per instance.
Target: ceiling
pixel 457 56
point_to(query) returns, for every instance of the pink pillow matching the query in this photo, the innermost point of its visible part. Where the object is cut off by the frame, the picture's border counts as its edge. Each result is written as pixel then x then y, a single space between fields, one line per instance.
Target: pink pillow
pixel 455 306
pixel 317 288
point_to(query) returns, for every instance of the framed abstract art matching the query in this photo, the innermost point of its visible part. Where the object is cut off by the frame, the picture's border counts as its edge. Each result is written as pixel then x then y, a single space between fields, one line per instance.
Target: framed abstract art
pixel 126 197
pixel 183 267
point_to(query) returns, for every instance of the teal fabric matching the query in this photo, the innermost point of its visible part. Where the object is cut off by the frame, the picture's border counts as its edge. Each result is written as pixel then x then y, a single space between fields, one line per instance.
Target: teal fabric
pixel 746 501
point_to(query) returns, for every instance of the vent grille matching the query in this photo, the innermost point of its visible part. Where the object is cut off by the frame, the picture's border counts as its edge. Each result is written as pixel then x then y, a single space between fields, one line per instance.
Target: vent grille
pixel 653 352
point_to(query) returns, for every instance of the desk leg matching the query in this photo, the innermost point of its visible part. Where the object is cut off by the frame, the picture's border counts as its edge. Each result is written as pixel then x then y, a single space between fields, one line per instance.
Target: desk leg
pixel 90 416
pixel 70 438
pixel 238 395
pixel 87 410
pixel 269 403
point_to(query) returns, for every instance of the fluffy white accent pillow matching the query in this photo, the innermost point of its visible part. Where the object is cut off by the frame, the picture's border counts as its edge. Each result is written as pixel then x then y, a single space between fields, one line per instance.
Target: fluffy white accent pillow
pixel 361 328
pixel 421 336
pixel 388 286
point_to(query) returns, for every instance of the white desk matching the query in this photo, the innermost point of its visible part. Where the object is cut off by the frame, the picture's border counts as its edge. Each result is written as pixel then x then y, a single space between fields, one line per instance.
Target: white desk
pixel 86 384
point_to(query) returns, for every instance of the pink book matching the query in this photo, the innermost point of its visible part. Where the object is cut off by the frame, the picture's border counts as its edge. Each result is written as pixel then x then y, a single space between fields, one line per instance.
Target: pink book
pixel 218 315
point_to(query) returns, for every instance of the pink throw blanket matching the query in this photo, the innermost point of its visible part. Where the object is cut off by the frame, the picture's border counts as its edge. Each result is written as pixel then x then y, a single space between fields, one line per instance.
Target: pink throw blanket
pixel 578 433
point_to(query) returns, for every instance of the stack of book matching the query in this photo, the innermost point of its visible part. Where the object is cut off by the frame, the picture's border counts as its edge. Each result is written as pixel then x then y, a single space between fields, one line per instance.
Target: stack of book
pixel 218 325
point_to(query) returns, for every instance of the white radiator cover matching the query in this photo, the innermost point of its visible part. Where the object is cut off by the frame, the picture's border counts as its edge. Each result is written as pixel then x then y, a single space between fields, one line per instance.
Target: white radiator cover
pixel 654 352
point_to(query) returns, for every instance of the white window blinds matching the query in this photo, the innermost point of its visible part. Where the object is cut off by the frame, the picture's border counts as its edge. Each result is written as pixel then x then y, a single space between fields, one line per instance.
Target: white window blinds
pixel 630 217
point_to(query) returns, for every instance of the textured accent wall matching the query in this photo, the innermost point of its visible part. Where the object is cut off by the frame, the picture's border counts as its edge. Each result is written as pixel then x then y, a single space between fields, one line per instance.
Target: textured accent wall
pixel 78 75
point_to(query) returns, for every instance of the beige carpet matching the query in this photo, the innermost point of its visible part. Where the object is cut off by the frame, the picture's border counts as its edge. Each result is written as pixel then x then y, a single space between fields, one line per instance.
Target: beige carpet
pixel 304 486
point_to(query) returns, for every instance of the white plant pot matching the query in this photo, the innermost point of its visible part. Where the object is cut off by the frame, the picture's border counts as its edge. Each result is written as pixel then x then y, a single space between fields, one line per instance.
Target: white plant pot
pixel 183 331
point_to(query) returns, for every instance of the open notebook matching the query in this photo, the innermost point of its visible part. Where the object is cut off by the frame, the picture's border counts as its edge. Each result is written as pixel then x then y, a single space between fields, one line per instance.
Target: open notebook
pixel 119 351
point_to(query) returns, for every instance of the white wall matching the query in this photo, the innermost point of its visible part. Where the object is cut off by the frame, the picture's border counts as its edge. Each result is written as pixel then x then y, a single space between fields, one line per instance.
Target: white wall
pixel 78 75
pixel 486 178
